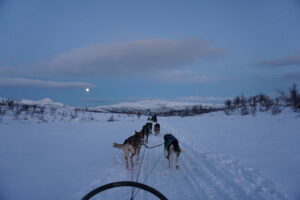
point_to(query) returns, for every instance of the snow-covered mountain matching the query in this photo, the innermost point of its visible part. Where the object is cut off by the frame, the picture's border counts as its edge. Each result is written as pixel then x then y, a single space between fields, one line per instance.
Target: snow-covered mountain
pixel 43 102
pixel 154 106
pixel 46 110
pixel 46 102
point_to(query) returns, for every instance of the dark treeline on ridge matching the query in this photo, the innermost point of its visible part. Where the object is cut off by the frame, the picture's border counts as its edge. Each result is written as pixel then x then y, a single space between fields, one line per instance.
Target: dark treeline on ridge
pixel 262 103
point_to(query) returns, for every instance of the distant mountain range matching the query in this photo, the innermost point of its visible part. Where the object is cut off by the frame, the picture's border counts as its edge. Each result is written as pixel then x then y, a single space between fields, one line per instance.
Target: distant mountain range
pixel 139 107
pixel 154 106
pixel 43 102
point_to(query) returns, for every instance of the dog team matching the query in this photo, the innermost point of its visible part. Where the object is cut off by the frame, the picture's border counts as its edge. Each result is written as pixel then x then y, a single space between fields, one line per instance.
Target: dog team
pixel 132 145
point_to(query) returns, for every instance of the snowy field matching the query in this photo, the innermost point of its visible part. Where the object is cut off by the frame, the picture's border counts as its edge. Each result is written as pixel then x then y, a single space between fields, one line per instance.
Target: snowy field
pixel 225 157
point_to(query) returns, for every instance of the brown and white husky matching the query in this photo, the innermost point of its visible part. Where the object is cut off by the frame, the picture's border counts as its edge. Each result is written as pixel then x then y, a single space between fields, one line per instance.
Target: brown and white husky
pixel 131 147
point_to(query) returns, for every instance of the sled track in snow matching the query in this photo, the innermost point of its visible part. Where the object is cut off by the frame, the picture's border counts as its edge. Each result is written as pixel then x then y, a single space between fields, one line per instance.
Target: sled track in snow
pixel 202 175
pixel 222 178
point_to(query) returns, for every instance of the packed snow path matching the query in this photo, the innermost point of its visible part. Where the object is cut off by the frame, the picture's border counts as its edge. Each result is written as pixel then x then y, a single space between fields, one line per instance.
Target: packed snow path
pixel 65 160
pixel 201 175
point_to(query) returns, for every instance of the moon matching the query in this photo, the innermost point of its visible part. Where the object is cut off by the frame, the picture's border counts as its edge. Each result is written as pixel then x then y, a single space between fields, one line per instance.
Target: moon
pixel 87 89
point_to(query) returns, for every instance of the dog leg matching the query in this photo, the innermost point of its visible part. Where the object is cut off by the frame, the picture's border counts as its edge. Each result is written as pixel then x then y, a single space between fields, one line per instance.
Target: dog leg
pixel 177 156
pixel 138 154
pixel 126 160
pixel 171 158
pixel 131 159
pixel 166 154
pixel 147 138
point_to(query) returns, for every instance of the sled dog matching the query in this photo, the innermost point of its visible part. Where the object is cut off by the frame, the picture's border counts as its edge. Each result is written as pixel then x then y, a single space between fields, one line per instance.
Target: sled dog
pixel 153 118
pixel 149 127
pixel 156 128
pixel 131 147
pixel 145 133
pixel 171 147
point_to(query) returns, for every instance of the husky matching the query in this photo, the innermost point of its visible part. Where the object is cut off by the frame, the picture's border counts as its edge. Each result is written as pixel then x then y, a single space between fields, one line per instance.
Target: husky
pixel 153 118
pixel 145 133
pixel 156 128
pixel 171 147
pixel 131 147
pixel 149 127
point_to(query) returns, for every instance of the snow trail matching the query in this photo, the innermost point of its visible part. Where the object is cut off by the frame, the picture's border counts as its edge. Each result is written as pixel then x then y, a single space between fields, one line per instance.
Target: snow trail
pixel 202 175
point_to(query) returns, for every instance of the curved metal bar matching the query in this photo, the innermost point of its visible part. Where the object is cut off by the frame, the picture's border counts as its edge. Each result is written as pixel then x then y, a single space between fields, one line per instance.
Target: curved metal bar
pixel 125 184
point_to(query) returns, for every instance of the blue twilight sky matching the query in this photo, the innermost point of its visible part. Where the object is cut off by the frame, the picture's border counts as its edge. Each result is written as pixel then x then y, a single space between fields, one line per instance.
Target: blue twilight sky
pixel 135 50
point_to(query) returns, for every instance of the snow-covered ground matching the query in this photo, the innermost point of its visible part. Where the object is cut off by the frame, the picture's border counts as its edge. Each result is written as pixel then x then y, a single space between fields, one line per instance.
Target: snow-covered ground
pixel 225 157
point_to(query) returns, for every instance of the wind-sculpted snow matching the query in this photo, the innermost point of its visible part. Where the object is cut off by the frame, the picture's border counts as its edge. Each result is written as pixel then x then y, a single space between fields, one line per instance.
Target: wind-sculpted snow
pixel 202 175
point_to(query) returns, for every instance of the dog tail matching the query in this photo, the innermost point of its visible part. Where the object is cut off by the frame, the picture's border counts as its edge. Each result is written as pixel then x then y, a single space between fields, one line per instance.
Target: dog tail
pixel 119 146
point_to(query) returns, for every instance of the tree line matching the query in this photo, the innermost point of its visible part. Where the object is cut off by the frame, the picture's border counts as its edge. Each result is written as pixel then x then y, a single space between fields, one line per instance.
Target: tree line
pixel 262 103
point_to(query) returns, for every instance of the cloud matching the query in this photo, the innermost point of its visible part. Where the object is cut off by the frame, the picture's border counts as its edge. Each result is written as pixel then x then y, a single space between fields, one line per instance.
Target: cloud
pixel 12 71
pixel 180 77
pixel 201 99
pixel 182 99
pixel 292 76
pixel 132 58
pixel 33 83
pixel 281 62
pixel 99 100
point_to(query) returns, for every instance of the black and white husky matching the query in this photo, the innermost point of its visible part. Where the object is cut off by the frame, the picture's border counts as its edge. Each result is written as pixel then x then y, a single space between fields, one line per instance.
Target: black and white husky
pixel 171 147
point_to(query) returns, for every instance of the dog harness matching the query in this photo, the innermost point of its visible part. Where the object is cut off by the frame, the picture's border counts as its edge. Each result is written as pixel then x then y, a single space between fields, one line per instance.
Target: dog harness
pixel 168 140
